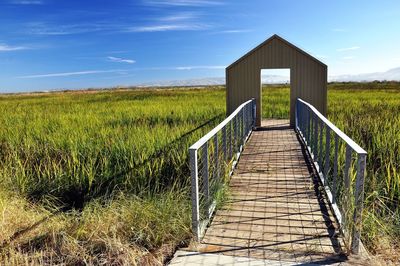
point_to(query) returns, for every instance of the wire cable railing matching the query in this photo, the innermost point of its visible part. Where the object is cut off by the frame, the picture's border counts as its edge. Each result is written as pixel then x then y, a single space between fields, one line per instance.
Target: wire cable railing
pixel 212 160
pixel 340 163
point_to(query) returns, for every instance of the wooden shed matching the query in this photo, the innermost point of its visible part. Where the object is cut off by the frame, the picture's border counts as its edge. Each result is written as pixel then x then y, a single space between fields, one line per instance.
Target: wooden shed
pixel 308 76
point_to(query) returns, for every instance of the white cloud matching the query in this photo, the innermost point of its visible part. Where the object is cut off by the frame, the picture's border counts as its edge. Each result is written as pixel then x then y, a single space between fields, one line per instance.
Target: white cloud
pixel 67 74
pixel 168 27
pixel 179 17
pixel 348 49
pixel 120 60
pixel 43 28
pixel 27 2
pixel 7 48
pixel 182 2
pixel 348 57
pixel 119 71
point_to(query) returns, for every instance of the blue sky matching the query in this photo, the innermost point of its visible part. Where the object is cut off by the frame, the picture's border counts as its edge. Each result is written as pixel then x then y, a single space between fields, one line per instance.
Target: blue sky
pixel 53 44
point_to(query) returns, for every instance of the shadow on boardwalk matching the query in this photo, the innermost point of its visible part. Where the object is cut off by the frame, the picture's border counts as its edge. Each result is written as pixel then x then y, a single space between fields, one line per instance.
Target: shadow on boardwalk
pixel 276 211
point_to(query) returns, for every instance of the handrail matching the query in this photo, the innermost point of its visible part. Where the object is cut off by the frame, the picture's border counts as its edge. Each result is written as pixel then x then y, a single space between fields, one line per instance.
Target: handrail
pixel 213 157
pixel 340 133
pixel 345 197
pixel 215 130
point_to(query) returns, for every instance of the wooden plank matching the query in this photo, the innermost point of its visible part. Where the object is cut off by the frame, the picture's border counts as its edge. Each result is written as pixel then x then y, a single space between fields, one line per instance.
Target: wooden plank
pixel 275 209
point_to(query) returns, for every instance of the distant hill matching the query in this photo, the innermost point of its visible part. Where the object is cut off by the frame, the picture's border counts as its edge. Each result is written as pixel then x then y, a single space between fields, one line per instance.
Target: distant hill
pixel 185 82
pixel 270 79
pixel 390 75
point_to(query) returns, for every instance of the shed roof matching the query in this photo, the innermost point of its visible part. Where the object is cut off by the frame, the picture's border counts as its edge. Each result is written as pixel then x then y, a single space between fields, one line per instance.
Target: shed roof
pixel 267 42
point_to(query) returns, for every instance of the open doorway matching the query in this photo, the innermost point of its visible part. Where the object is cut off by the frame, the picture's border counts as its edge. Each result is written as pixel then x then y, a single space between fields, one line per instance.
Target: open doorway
pixel 275 94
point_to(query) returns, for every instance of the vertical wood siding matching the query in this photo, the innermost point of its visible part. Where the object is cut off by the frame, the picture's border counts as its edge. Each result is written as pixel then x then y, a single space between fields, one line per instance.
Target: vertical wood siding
pixel 308 76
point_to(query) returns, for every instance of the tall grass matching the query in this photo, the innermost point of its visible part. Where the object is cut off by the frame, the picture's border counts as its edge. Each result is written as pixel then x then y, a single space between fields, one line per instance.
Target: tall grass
pixel 102 177
pixel 112 165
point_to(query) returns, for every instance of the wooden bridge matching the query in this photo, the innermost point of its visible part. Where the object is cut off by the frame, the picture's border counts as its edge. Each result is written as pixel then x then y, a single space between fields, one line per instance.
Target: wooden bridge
pixel 285 204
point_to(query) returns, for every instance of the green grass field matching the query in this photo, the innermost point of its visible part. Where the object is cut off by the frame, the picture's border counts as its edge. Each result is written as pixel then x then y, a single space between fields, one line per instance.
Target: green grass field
pixel 102 177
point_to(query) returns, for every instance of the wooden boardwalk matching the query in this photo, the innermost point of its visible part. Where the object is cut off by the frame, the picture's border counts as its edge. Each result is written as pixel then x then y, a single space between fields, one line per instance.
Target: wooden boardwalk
pixel 276 210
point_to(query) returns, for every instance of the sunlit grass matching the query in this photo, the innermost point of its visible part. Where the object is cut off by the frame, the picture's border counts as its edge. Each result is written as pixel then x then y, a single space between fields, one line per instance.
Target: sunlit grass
pixel 109 168
pixel 103 177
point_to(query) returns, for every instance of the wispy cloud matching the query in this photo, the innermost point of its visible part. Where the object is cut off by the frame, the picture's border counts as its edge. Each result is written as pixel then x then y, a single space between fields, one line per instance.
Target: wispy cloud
pixel 27 2
pixel 119 71
pixel 182 2
pixel 348 49
pixel 235 31
pixel 348 57
pixel 184 16
pixel 67 74
pixel 120 60
pixel 7 48
pixel 168 27
pixel 42 28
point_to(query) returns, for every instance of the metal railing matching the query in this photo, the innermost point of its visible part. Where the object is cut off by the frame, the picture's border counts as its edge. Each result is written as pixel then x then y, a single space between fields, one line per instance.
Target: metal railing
pixel 340 163
pixel 212 160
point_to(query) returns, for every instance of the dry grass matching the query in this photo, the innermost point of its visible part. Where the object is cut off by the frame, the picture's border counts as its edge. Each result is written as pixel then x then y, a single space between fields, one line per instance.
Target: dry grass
pixel 124 230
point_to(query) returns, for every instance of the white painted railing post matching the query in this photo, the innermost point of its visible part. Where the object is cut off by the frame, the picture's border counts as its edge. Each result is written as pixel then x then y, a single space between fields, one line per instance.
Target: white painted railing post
pixel 315 139
pixel 254 112
pixel 205 174
pixel 296 113
pixel 358 203
pixel 347 189
pixel 327 153
pixel 224 142
pixel 195 193
pixel 230 138
pixel 320 155
pixel 236 126
pixel 243 128
pixel 335 169
pixel 216 156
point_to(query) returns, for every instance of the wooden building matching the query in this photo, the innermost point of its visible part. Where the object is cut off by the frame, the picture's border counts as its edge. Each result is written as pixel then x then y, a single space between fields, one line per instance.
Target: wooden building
pixel 308 76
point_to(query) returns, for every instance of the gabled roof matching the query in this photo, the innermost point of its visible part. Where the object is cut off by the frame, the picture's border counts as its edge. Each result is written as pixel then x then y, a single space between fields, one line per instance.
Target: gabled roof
pixel 270 39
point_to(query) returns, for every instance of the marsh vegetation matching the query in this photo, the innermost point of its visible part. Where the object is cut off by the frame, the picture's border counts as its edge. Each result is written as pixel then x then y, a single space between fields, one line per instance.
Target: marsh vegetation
pixel 102 177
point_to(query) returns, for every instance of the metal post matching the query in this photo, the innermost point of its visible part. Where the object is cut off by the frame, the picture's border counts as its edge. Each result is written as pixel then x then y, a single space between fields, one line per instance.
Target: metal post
pixel 254 112
pixel 302 119
pixel 320 156
pixel 308 127
pixel 307 124
pixel 246 119
pixel 224 142
pixel 347 188
pixel 347 168
pixel 230 140
pixel 205 175
pixel 243 127
pixel 335 169
pixel 236 134
pixel 327 153
pixel 359 199
pixel 216 156
pixel 195 194
pixel 315 139
pixel 296 113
